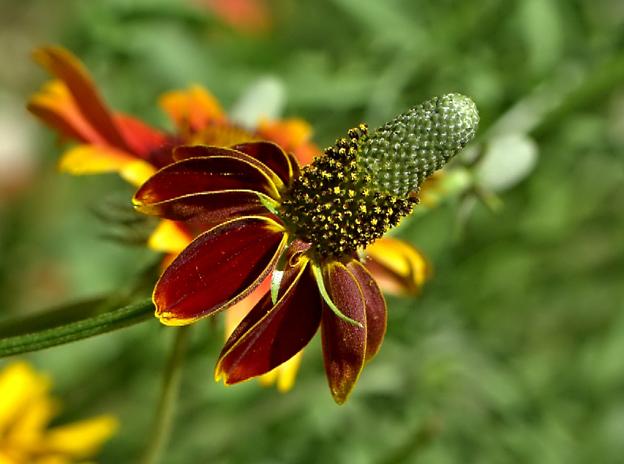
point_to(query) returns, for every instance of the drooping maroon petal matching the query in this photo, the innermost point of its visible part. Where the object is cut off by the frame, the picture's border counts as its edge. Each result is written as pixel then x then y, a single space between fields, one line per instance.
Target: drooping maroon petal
pixel 217 269
pixel 272 155
pixel 272 334
pixel 344 344
pixel 202 175
pixel 376 313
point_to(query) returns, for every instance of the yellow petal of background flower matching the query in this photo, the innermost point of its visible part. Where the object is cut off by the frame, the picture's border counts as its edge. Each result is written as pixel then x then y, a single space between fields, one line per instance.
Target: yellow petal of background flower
pixel 19 385
pixel 137 172
pixel 401 260
pixel 80 439
pixel 283 376
pixel 30 424
pixel 169 237
pixel 96 159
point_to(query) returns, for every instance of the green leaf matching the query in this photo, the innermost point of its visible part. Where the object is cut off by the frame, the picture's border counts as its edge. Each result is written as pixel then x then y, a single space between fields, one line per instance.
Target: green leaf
pixel 68 324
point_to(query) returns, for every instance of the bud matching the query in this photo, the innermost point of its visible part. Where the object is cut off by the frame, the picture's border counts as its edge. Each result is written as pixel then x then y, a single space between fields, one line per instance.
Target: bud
pixel 402 153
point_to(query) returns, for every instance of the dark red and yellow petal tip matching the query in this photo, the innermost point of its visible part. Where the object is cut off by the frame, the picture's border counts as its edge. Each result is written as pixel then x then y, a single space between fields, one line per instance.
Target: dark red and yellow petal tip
pixel 271 334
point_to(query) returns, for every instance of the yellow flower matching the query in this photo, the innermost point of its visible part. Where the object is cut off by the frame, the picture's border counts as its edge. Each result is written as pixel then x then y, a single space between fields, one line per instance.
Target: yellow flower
pixel 26 409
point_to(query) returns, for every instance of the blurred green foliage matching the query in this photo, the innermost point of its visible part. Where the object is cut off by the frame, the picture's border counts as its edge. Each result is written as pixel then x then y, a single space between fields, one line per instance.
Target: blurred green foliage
pixel 514 352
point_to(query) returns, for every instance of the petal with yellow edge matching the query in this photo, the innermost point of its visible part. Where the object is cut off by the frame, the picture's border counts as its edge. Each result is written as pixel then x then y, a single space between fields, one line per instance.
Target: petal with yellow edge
pixel 218 269
pixel 265 153
pixel 284 375
pixel 209 190
pixel 344 344
pixel 272 156
pixel 271 334
pixel 376 311
pixel 397 266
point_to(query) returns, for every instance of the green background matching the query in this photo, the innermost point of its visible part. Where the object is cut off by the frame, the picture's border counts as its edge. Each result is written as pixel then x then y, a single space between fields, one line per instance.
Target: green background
pixel 514 352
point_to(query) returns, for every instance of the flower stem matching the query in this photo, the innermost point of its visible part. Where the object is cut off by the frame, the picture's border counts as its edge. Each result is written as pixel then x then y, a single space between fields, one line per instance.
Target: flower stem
pixel 64 326
pixel 161 428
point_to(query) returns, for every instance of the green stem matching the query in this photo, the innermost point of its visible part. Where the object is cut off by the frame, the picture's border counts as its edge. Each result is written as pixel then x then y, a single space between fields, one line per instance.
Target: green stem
pixel 76 330
pixel 171 385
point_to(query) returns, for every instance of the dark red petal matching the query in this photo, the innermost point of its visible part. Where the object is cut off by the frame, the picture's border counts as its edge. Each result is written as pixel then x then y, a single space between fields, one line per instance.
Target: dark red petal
pixel 296 167
pixel 376 313
pixel 201 151
pixel 67 68
pixel 202 175
pixel 217 269
pixel 272 156
pixel 209 207
pixel 344 344
pixel 270 335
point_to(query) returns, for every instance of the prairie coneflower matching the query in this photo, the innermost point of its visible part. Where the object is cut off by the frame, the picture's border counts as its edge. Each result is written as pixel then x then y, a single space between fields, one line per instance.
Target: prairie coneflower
pixel 109 141
pixel 305 229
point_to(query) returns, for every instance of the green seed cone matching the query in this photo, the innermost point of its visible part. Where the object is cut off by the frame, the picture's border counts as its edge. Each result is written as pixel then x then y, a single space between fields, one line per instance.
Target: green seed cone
pixel 402 153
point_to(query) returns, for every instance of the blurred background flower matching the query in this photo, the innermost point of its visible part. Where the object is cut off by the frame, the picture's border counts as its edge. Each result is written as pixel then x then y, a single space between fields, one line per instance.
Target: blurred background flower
pixel 513 350
pixel 26 411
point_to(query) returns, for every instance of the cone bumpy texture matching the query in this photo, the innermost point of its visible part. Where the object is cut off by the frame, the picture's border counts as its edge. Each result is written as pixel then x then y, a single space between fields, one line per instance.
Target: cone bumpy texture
pixel 402 153
pixel 331 205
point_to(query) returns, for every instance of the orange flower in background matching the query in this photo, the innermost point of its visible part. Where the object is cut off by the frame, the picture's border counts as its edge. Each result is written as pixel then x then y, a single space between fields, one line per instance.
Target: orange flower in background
pixel 113 142
pixel 26 409
pixel 243 15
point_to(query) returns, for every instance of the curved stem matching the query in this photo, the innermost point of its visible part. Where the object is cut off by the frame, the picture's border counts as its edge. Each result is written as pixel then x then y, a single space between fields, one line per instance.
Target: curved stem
pixel 69 330
pixel 161 428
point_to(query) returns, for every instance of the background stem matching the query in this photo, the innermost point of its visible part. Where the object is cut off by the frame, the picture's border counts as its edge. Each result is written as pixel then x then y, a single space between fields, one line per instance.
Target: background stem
pixel 161 428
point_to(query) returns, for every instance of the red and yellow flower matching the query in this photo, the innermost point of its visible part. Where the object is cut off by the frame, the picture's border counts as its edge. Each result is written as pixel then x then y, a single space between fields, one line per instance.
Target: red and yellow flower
pixel 219 196
pixel 109 141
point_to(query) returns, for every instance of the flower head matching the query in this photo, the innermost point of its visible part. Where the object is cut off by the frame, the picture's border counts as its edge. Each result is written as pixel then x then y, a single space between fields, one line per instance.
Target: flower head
pixel 304 228
pixel 113 142
pixel 26 410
